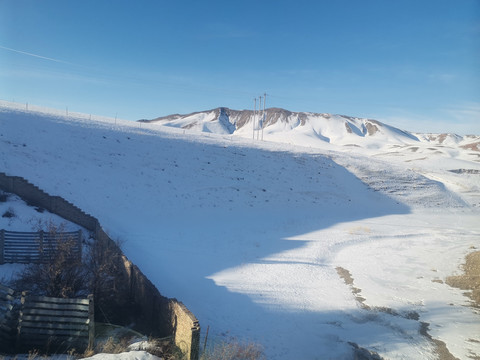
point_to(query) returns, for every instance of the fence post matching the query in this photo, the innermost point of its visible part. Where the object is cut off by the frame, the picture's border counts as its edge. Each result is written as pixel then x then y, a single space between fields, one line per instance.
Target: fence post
pixel 79 243
pixel 18 342
pixel 2 246
pixel 91 322
pixel 41 245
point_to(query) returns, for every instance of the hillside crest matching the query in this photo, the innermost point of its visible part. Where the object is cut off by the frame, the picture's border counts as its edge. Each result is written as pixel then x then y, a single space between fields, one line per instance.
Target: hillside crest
pixel 280 124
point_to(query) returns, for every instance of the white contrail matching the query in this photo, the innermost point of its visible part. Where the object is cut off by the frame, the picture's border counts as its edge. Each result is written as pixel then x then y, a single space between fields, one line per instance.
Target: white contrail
pixel 34 55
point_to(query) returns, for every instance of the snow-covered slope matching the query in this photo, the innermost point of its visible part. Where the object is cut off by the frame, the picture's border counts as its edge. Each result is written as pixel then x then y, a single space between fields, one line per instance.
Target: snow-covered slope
pixel 311 129
pixel 256 237
pixel 451 154
pixel 325 127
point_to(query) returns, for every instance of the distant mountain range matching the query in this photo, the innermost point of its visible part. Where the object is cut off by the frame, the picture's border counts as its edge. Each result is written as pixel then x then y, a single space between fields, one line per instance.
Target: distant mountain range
pixel 310 129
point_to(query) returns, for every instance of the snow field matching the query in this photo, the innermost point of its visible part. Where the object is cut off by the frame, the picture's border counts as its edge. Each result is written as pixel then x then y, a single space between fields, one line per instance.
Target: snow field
pixel 249 235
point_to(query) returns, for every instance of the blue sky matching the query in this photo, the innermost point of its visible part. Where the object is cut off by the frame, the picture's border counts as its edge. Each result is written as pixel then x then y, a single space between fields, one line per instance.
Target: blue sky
pixel 413 64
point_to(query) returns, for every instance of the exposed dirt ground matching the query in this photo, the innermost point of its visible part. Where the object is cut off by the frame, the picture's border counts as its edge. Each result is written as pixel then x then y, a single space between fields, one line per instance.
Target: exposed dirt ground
pixel 470 279
pixel 440 347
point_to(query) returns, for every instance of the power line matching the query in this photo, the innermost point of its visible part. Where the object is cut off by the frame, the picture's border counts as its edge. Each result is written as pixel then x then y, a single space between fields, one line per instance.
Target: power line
pixel 262 116
pixel 254 116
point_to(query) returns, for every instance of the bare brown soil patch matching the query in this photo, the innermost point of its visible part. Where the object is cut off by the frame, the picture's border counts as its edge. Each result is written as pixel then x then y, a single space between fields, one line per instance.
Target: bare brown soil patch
pixel 348 279
pixel 440 347
pixel 473 146
pixel 371 128
pixel 470 279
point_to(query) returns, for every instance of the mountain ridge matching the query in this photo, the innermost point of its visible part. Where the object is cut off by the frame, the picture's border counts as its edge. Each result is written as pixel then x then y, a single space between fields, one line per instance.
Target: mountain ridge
pixel 280 124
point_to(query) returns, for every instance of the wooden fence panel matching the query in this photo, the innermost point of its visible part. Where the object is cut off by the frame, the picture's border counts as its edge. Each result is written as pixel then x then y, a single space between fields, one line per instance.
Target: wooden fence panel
pixel 35 247
pixel 55 324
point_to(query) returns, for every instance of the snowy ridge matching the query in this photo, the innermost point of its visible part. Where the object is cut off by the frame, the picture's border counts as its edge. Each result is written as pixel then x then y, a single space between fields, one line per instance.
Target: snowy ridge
pixel 222 222
pixel 327 127
pixel 281 124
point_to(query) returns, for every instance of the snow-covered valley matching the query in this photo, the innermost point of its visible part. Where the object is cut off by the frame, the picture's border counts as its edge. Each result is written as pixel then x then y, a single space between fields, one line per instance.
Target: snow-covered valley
pixel 297 243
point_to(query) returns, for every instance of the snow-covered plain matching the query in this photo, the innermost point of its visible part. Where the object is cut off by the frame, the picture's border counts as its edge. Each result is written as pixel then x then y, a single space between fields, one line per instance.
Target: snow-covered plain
pixel 252 235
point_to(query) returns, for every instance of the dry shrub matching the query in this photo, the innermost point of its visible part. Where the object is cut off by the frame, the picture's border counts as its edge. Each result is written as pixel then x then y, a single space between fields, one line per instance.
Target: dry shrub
pixel 61 274
pixel 65 274
pixel 234 349
pixel 10 213
pixel 163 348
pixel 112 346
pixel 106 282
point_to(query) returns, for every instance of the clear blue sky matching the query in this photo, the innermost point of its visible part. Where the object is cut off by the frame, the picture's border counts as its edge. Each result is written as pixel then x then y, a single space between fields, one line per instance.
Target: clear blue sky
pixel 414 64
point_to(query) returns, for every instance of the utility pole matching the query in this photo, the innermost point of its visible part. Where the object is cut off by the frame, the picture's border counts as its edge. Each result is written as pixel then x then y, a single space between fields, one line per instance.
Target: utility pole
pixel 259 120
pixel 254 116
pixel 264 117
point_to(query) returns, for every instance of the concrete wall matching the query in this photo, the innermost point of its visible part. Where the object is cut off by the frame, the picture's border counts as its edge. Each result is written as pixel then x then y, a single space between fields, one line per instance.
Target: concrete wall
pixel 150 312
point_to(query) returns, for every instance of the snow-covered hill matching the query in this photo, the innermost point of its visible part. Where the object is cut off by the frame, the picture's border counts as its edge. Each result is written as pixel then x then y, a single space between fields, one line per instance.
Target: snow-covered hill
pixel 257 237
pixel 311 129
pixel 325 127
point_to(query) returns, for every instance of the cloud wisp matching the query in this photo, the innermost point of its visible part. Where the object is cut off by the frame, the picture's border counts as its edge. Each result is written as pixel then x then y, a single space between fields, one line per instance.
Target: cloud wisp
pixel 35 55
